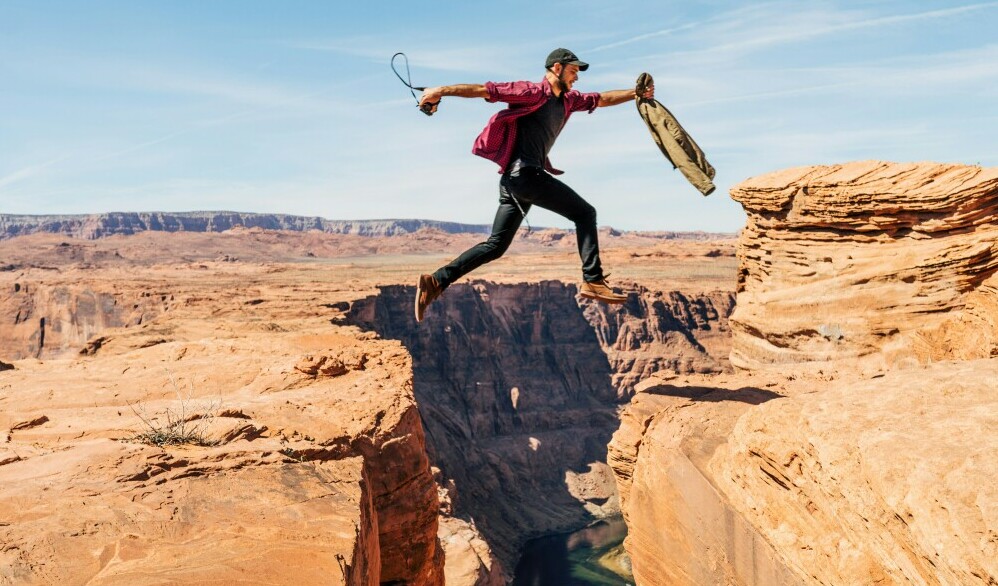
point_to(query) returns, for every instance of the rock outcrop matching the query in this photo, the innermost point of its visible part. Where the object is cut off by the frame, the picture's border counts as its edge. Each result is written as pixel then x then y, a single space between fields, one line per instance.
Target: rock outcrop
pixel 519 386
pixel 883 481
pixel 92 226
pixel 681 530
pixel 315 469
pixel 40 319
pixel 758 480
pixel 843 451
pixel 865 261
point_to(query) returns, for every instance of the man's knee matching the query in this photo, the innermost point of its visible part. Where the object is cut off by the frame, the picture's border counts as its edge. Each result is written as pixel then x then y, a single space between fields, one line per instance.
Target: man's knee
pixel 586 215
pixel 495 247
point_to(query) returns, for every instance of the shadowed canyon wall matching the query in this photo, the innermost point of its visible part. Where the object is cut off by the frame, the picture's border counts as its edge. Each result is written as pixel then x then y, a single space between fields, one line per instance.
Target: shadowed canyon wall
pixel 519 388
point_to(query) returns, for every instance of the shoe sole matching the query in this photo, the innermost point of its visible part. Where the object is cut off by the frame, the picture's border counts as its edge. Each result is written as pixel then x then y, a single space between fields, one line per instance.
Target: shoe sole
pixel 604 299
pixel 419 293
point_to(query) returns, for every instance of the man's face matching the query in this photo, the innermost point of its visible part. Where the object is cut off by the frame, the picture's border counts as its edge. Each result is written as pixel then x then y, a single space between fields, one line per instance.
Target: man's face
pixel 568 74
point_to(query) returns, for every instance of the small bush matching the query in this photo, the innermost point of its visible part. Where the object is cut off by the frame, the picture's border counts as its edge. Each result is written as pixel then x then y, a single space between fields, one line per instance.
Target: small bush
pixel 185 424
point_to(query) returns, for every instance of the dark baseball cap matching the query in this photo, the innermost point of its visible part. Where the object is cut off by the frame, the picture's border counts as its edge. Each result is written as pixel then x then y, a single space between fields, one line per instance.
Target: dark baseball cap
pixel 565 57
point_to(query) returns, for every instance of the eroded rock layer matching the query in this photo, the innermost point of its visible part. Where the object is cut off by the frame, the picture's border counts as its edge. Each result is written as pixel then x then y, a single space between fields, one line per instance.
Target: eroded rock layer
pixel 863 260
pixel 883 481
pixel 767 480
pixel 849 450
pixel 42 320
pixel 316 473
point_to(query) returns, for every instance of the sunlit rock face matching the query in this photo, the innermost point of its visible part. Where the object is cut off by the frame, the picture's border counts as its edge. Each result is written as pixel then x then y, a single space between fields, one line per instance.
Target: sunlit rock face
pixel 880 262
pixel 768 479
pixel 856 441
pixel 316 470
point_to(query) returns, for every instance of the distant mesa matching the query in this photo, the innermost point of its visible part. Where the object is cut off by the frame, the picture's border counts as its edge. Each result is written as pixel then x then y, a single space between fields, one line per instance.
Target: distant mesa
pixel 93 226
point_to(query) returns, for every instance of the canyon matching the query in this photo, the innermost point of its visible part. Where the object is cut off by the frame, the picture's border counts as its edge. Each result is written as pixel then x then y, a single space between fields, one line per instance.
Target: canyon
pixel 810 404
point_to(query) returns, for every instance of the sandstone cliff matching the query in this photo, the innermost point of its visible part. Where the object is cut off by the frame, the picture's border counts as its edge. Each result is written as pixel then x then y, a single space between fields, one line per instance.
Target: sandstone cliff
pixel 882 481
pixel 42 320
pixel 320 473
pixel 863 260
pixel 767 480
pixel 847 452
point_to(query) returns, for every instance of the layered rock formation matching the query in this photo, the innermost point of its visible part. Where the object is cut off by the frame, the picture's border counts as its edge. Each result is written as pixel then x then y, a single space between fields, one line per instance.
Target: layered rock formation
pixel 882 481
pixel 519 385
pixel 814 466
pixel 681 529
pixel 863 260
pixel 316 471
pixel 764 480
pixel 42 320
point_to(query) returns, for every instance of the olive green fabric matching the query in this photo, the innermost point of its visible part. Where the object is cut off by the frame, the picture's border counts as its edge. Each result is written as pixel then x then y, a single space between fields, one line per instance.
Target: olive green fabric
pixel 677 146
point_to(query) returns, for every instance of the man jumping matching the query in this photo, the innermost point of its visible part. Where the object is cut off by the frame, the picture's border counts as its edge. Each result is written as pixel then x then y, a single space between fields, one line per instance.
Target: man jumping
pixel 519 139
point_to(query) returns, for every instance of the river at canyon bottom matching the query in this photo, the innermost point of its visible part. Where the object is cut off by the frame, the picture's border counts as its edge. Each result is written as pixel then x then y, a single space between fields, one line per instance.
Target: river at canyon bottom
pixel 591 556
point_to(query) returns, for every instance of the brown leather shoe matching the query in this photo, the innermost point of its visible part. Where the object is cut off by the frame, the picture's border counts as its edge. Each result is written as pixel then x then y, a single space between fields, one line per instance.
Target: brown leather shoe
pixel 600 291
pixel 427 289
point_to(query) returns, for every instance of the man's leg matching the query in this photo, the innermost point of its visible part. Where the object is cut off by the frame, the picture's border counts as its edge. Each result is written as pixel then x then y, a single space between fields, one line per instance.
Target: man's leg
pixel 534 186
pixel 504 227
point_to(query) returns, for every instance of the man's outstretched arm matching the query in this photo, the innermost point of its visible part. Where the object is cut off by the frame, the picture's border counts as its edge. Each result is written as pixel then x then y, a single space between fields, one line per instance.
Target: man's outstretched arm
pixel 614 97
pixel 432 95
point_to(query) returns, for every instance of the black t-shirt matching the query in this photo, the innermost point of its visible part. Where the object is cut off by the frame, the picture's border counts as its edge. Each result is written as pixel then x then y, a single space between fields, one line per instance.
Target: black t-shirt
pixel 537 131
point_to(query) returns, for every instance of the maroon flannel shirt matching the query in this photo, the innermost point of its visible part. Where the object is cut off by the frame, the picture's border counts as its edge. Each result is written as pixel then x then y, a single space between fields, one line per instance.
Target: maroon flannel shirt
pixel 496 142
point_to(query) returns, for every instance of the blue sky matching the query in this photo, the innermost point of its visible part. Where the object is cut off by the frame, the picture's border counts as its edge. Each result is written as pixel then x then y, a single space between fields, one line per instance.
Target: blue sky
pixel 291 107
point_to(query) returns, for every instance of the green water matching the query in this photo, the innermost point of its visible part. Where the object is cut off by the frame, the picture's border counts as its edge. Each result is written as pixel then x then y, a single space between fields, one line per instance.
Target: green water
pixel 591 556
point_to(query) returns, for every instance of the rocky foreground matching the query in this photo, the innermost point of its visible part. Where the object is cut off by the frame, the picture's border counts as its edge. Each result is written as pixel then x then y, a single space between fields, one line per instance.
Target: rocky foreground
pixel 313 465
pixel 341 442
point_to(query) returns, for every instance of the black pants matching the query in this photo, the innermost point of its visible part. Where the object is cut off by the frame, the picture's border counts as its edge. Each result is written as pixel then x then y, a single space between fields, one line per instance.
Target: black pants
pixel 530 186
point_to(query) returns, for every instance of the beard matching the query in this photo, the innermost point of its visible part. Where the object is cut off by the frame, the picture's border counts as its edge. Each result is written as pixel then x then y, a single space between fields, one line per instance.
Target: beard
pixel 562 86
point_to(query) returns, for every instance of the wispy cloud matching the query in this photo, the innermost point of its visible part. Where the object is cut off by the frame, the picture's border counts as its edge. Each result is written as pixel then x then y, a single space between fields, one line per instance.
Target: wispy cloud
pixel 909 75
pixel 735 15
pixel 117 73
pixel 465 57
pixel 769 94
pixel 794 32
pixel 737 32
pixel 26 172
pixel 645 37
